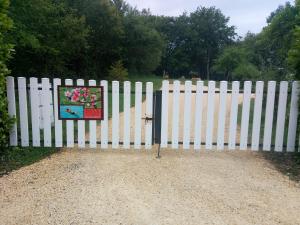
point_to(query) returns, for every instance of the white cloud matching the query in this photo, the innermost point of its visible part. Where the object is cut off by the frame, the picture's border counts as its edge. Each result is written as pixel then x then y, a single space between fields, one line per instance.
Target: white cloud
pixel 246 15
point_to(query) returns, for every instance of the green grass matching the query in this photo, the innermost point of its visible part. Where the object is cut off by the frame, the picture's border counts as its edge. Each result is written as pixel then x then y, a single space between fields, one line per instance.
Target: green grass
pixel 19 157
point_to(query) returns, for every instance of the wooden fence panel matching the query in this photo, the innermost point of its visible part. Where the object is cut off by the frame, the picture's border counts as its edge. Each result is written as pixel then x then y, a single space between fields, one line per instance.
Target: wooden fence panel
pixel 293 118
pixel 198 115
pixel 138 115
pixel 187 115
pixel 281 116
pixel 34 108
pixel 127 114
pixel 23 111
pixel 149 112
pixel 10 87
pixel 233 115
pixel 245 115
pixel 259 92
pixel 222 115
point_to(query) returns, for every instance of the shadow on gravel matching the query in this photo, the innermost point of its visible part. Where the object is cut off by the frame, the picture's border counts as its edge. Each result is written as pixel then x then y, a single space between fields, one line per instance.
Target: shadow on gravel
pixel 286 163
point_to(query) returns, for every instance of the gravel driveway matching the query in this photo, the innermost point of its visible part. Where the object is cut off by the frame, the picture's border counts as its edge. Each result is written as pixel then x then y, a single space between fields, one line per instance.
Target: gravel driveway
pixel 127 187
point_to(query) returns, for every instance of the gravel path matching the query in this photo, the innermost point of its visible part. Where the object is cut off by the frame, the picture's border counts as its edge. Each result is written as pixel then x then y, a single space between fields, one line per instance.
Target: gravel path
pixel 127 187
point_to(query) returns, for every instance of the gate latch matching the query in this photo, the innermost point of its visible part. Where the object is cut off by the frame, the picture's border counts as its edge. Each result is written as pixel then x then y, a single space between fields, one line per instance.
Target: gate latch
pixel 147 119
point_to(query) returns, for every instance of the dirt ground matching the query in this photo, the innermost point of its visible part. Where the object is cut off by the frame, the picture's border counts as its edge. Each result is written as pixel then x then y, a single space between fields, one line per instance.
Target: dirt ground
pixel 127 187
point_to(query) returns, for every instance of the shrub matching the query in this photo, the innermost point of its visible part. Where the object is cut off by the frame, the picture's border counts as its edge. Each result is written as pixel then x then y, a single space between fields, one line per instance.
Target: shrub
pixel 5 53
pixel 118 72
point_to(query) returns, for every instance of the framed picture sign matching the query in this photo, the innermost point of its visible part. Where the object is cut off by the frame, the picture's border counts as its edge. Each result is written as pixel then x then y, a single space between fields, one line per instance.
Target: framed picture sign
pixel 80 103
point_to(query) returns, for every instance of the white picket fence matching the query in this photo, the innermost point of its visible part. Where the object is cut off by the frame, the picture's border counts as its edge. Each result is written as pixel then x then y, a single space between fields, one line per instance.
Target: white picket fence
pixel 214 112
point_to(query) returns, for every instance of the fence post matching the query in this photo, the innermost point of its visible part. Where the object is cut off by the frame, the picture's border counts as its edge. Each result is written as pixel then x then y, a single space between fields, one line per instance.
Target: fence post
pixel 11 98
pixel 46 112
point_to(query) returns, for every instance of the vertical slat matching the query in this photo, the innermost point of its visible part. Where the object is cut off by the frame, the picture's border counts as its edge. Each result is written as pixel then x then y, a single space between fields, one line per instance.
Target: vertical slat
pixel 138 115
pixel 70 123
pixel 46 112
pixel 293 118
pixel 210 114
pixel 81 124
pixel 149 112
pixel 127 115
pixel 164 114
pixel 187 114
pixel 245 115
pixel 57 122
pixel 259 92
pixel 115 114
pixel 11 98
pixel 222 115
pixel 198 115
pixel 268 126
pixel 104 122
pixel 233 115
pixel 93 124
pixel 281 116
pixel 23 111
pixel 175 114
pixel 34 103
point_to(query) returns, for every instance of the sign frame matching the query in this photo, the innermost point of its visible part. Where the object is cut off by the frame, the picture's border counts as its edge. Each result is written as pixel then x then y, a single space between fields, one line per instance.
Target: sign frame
pixel 80 119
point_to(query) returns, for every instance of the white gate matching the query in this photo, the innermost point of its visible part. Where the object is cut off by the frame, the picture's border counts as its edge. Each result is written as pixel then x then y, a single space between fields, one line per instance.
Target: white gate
pixel 216 115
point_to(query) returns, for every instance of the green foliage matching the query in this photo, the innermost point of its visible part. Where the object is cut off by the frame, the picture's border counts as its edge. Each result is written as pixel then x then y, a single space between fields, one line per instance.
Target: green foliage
pixel 5 50
pixel 118 72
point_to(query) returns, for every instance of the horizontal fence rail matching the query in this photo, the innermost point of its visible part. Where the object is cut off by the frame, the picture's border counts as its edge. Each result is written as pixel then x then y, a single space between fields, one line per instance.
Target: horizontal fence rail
pixel 194 115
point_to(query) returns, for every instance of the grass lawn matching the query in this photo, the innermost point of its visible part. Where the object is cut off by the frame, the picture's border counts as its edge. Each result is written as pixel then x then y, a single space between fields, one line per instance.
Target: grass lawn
pixel 19 157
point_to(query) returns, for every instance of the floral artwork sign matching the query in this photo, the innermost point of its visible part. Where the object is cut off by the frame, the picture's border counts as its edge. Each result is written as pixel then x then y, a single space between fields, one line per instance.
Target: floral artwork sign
pixel 80 103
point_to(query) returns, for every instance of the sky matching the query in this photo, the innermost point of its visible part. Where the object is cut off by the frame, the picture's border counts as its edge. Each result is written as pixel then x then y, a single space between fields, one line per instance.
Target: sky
pixel 245 15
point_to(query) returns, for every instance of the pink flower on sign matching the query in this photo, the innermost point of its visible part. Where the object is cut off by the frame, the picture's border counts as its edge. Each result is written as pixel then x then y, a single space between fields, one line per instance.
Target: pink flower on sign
pixel 75 98
pixel 68 94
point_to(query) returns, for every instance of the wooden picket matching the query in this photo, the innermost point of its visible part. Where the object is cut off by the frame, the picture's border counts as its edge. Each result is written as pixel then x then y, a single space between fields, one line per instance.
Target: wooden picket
pixel 43 115
pixel 34 109
pixel 127 115
pixel 175 114
pixel 187 114
pixel 93 124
